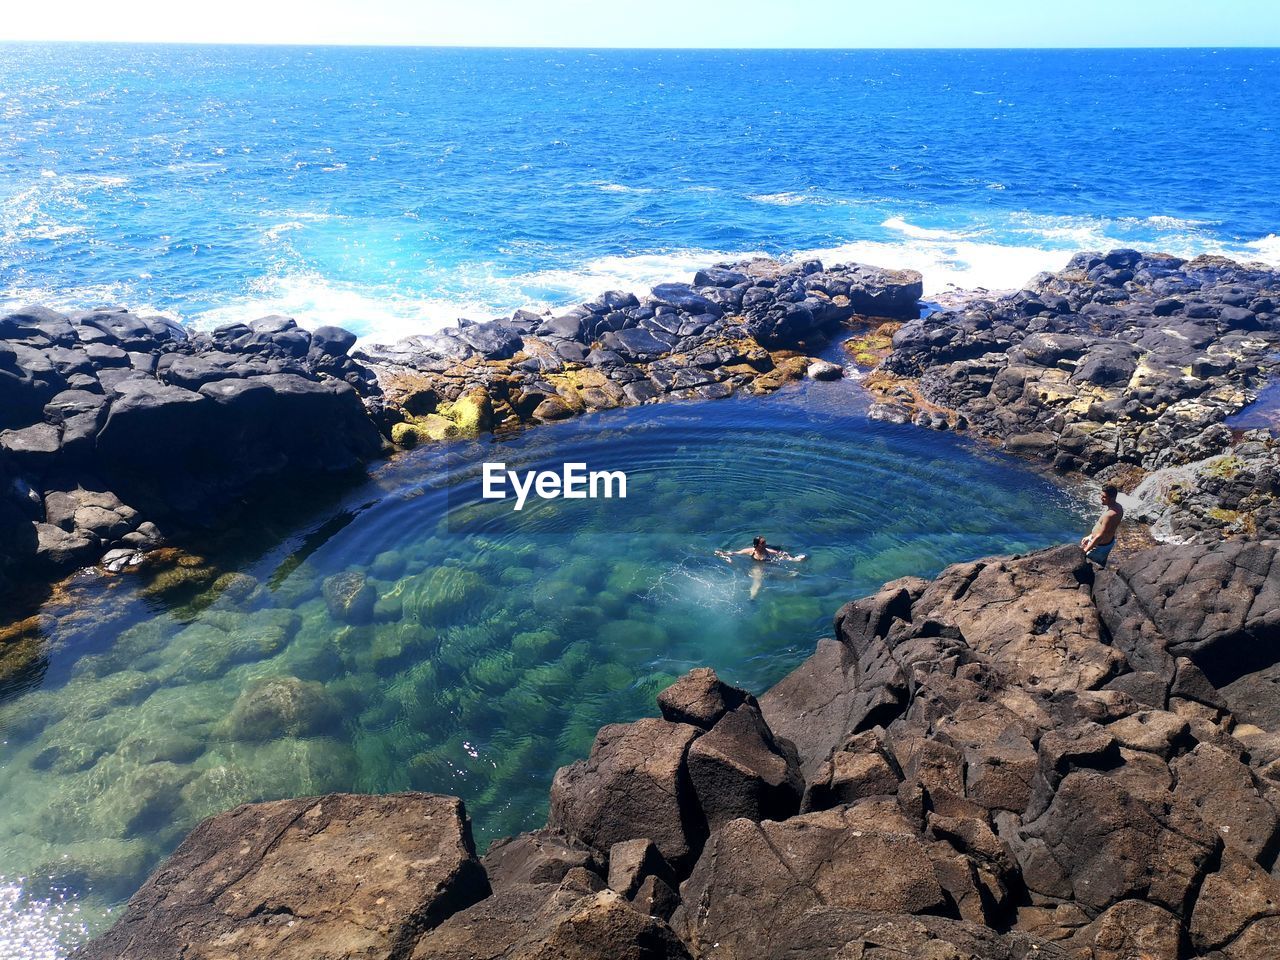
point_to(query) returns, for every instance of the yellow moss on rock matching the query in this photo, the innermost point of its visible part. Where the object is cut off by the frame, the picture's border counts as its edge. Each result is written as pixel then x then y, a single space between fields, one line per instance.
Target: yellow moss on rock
pixel 471 413
pixel 785 369
pixel 586 388
pixel 416 430
pixel 1225 467
pixel 869 349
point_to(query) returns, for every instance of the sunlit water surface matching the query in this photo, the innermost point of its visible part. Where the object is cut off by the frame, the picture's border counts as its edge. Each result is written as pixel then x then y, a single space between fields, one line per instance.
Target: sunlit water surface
pixel 492 643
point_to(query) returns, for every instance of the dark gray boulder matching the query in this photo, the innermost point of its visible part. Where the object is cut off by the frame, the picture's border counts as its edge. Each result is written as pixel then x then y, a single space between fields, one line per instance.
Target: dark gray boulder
pixel 739 769
pixel 684 298
pixel 636 343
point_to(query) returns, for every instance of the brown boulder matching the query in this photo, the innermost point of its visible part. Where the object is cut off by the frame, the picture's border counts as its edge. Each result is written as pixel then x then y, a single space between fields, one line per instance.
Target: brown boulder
pixel 324 878
pixel 528 922
pixel 700 698
pixel 863 767
pixel 631 861
pixel 1226 796
pixel 634 784
pixel 813 705
pixel 543 856
pixel 1128 930
pixel 1238 896
pixel 755 880
pixel 1097 844
pixel 1033 615
pixel 740 770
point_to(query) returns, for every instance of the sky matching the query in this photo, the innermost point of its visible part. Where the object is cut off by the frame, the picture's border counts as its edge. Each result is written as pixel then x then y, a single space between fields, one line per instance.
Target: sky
pixel 657 23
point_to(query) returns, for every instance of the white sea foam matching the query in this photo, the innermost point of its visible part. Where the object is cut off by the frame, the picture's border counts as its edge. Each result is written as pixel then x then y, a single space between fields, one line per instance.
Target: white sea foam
pixel 948 259
pixel 948 264
pixel 996 251
pixel 374 314
pixel 620 188
pixel 383 315
pixel 1266 249
pixel 898 225
pixel 787 198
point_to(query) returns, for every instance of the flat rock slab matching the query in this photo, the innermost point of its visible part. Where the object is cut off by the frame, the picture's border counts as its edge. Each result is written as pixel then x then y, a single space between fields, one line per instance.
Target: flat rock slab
pixel 541 922
pixel 339 876
pixel 754 880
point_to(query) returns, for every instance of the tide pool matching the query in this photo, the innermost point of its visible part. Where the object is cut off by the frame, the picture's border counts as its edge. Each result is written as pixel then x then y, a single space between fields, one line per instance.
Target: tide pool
pixel 413 636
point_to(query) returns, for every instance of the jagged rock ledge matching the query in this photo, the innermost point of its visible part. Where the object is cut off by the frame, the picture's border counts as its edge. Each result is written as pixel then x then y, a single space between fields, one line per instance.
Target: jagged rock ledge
pixel 1120 366
pixel 746 325
pixel 112 425
pixel 1025 757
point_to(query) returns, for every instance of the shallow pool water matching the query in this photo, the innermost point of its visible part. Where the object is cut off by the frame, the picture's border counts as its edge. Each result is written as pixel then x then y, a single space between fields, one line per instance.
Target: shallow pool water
pixel 1263 413
pixel 416 637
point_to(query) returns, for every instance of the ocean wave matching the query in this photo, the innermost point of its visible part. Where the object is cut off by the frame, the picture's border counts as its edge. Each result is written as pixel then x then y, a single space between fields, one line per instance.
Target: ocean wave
pixel 373 313
pixel 991 251
pixel 788 198
pixel 117 294
pixel 949 264
pixel 382 314
pixel 85 180
pixel 620 188
pixel 898 225
pixel 1266 248
pixel 1161 222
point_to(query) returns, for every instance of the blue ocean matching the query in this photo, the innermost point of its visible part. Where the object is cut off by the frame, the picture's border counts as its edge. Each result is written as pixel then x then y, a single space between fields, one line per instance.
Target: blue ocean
pixel 393 190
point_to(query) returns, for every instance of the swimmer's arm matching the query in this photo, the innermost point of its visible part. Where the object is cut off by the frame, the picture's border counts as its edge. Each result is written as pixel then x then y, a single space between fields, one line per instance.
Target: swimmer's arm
pixel 783 555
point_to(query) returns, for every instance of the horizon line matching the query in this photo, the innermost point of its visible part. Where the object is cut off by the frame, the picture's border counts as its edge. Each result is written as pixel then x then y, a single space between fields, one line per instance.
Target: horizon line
pixel 591 47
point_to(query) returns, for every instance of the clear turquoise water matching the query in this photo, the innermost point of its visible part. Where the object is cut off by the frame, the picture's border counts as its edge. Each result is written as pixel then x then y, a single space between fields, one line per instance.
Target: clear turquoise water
pixel 395 189
pixel 500 641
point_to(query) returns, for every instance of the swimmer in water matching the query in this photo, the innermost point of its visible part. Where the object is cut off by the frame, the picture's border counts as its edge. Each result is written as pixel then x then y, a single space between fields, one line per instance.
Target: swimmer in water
pixel 761 553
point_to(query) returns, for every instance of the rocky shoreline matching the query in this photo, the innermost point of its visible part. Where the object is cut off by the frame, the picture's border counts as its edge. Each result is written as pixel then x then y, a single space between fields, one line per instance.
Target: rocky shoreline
pixel 112 425
pixel 1024 757
pixel 1123 366
pixel 117 430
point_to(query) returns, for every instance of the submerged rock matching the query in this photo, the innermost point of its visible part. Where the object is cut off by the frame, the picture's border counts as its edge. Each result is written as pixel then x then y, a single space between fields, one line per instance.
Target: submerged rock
pixel 282 707
pixel 350 597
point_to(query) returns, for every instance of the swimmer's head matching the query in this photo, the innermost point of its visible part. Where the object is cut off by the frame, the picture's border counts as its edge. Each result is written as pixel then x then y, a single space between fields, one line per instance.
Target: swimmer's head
pixel 758 543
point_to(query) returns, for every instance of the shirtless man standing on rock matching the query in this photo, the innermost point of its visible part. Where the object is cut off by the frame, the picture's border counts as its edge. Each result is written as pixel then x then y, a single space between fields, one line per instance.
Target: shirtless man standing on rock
pixel 1098 542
